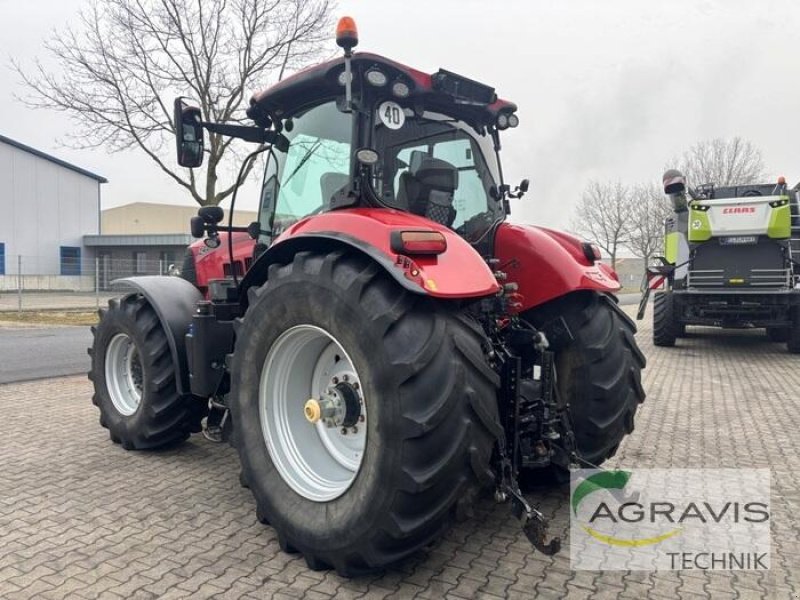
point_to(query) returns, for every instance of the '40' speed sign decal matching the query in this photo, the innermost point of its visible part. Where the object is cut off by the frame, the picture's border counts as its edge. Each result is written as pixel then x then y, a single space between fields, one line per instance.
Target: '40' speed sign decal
pixel 391 114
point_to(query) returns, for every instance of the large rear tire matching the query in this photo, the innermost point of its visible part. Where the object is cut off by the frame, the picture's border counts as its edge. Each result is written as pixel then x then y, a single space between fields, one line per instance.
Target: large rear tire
pixel 417 370
pixel 666 328
pixel 599 371
pixel 134 378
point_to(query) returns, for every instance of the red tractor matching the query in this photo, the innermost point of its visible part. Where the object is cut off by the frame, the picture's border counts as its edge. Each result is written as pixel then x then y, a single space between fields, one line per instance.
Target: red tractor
pixel 382 343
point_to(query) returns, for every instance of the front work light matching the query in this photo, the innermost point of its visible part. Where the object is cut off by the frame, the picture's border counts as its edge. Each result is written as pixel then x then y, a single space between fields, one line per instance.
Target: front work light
pixel 400 89
pixel 376 78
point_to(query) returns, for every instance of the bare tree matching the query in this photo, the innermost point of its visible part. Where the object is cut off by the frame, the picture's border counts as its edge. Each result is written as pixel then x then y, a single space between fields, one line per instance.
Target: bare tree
pixel 648 210
pixel 119 69
pixel 602 216
pixel 722 162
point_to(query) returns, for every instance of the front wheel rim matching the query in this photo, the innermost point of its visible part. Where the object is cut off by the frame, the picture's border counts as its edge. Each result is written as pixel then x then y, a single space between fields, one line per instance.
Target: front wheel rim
pixel 318 460
pixel 124 374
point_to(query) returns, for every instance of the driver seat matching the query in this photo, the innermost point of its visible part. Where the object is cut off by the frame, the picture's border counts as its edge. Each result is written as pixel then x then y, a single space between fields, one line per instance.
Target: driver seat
pixel 427 188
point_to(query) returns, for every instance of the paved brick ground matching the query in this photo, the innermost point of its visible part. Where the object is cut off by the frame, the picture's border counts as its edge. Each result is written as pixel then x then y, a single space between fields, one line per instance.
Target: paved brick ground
pixel 80 517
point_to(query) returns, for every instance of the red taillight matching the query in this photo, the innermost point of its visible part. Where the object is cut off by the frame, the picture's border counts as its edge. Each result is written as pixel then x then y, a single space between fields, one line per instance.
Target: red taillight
pixel 418 242
pixel 592 252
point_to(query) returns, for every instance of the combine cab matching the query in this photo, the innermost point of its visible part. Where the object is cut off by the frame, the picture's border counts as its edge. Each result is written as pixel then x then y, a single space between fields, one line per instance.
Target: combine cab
pixel 381 344
pixel 732 260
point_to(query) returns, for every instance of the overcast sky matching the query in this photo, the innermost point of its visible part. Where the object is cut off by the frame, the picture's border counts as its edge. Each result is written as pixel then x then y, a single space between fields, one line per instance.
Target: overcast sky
pixel 606 89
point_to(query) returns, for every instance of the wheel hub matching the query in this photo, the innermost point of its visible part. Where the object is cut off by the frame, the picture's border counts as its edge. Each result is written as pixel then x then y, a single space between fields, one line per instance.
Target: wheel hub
pixel 313 415
pixel 124 374
pixel 339 406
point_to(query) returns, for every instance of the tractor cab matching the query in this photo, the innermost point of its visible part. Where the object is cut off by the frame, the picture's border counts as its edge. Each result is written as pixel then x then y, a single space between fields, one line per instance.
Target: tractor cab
pixel 406 141
pixel 363 131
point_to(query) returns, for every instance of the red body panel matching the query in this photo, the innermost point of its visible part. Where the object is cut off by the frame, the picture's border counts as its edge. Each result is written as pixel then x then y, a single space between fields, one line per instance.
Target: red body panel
pixel 544 263
pixel 547 264
pixel 459 272
pixel 211 263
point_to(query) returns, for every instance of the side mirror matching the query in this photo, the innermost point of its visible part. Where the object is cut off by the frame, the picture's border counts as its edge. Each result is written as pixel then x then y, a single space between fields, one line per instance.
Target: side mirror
pixel 188 134
pixel 197 227
pixel 524 185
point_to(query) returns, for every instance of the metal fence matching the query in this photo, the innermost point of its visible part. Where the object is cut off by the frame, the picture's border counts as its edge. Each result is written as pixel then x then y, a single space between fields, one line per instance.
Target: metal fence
pixel 33 283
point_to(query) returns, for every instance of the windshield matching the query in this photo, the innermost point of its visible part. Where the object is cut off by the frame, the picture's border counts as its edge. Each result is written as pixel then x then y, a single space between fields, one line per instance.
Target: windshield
pixel 302 181
pixel 437 167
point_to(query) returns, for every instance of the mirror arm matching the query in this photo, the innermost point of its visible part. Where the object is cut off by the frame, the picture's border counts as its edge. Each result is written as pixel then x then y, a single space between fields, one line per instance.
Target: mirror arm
pixel 249 134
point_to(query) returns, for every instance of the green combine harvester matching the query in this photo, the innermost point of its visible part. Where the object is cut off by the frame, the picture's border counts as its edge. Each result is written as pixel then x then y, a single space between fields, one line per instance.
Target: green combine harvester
pixel 732 261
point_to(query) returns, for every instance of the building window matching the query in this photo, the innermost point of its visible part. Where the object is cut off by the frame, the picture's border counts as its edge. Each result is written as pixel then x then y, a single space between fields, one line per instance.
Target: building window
pixel 70 260
pixel 140 262
pixel 2 258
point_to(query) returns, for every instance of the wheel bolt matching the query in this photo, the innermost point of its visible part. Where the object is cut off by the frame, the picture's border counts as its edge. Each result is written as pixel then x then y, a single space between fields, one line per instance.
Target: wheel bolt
pixel 346 377
pixel 361 418
pixel 335 380
pixel 344 430
pixel 355 385
pixel 355 429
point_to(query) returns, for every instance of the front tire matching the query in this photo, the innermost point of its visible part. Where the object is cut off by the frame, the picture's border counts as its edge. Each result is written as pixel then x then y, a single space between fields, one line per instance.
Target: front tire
pixel 429 401
pixel 134 378
pixel 666 328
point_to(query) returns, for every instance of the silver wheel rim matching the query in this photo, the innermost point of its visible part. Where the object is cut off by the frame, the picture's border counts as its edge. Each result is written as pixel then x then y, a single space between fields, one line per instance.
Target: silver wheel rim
pixel 317 461
pixel 124 374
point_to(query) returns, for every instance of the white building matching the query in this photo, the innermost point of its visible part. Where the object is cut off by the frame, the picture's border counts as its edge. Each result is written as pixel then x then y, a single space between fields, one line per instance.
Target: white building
pixel 48 205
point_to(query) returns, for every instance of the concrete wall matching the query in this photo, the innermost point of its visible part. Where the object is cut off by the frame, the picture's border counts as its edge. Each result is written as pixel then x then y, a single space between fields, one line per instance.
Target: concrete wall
pixel 140 218
pixel 630 271
pixel 43 206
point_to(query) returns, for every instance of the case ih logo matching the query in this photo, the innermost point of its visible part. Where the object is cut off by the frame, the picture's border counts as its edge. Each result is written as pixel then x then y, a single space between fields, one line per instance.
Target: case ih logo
pixel 739 210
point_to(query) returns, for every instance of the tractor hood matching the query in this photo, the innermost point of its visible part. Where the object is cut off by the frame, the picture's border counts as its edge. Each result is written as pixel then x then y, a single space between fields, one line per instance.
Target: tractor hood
pixel 547 264
pixel 751 216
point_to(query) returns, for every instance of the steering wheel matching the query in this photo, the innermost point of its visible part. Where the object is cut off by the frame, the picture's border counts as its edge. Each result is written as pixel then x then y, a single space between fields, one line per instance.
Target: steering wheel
pixel 476 222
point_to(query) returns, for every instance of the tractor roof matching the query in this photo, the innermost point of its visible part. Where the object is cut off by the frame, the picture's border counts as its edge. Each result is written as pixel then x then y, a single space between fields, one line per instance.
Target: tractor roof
pixel 321 81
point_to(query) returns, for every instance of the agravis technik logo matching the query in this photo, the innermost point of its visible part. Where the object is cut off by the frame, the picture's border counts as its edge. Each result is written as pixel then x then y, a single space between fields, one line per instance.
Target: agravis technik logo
pixel 613 480
pixel 670 519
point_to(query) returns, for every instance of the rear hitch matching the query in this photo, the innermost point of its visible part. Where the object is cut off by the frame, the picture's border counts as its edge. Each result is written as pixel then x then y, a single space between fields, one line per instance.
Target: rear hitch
pixel 534 524
pixel 216 425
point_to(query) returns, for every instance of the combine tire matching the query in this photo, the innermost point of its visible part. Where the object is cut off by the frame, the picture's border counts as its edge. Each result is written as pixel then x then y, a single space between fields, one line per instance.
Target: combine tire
pixel 599 371
pixel 666 329
pixel 793 341
pixel 134 379
pixel 409 397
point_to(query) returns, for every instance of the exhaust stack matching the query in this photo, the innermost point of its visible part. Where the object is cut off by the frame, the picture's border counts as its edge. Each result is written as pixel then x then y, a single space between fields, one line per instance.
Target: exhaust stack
pixel 675 189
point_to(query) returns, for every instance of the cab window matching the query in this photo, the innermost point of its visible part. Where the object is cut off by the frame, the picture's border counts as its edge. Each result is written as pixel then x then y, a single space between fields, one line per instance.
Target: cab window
pixel 470 209
pixel 302 181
